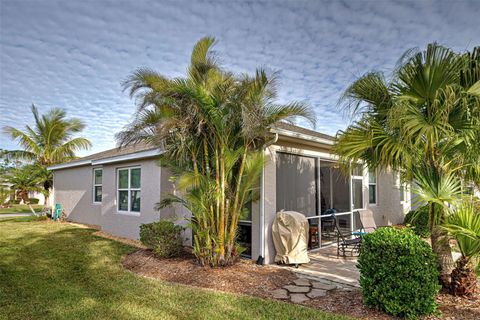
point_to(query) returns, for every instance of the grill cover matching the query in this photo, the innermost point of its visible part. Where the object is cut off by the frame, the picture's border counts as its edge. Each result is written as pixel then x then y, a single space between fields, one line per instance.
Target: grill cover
pixel 290 237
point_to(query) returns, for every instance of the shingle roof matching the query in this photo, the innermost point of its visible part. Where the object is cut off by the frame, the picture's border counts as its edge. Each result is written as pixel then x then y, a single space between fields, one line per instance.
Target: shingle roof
pixel 115 152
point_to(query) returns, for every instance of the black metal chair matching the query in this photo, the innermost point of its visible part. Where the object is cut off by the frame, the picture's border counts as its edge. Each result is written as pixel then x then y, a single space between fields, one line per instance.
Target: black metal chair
pixel 346 242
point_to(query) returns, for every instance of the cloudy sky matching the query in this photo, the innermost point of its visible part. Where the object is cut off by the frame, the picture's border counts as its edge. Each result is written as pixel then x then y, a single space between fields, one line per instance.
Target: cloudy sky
pixel 74 54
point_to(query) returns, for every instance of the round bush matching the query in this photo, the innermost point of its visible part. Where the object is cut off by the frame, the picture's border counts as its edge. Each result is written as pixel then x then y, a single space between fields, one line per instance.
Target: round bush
pixel 163 237
pixel 418 219
pixel 398 273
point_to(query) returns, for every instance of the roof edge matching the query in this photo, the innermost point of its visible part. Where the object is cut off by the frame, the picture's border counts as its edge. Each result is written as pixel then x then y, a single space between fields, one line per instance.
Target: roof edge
pixel 302 136
pixel 125 157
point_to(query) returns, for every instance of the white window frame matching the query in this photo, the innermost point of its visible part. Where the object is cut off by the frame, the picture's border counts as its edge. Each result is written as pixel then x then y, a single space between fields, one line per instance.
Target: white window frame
pixel 129 189
pixel 402 188
pixel 96 185
pixel 353 177
pixel 373 184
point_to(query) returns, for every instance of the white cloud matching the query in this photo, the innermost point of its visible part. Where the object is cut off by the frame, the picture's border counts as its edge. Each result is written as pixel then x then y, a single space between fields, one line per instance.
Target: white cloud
pixel 75 54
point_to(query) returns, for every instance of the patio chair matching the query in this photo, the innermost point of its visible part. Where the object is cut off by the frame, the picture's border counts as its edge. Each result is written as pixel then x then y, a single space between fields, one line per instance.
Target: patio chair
pixel 366 220
pixel 346 242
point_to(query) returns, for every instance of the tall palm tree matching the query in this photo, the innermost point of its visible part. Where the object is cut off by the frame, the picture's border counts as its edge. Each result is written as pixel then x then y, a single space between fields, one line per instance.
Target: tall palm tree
pixel 423 122
pixel 51 140
pixel 213 126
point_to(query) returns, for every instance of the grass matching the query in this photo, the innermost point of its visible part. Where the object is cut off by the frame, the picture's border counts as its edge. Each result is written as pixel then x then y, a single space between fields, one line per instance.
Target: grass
pixel 53 270
pixel 22 208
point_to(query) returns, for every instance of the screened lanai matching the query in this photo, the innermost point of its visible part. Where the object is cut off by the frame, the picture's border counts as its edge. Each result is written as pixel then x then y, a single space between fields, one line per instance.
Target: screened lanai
pixel 318 188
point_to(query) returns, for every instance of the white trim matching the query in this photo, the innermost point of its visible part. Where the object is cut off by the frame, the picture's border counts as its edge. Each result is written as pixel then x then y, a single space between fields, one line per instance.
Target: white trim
pixel 129 190
pixel 126 157
pixel 70 165
pixel 302 136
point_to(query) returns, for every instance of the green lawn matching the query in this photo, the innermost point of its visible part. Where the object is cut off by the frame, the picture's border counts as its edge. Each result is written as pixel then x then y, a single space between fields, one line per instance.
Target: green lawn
pixel 22 208
pixel 57 271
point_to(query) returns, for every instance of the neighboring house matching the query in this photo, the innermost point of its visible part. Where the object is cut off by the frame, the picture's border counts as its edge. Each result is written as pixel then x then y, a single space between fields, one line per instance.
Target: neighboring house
pixel 117 190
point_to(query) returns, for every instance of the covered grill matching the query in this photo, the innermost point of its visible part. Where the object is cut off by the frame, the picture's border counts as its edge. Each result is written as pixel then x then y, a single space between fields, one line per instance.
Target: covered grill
pixel 290 237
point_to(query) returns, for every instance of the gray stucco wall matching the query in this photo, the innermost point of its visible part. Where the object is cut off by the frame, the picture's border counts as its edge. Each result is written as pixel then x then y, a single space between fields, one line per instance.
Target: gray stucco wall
pixel 73 189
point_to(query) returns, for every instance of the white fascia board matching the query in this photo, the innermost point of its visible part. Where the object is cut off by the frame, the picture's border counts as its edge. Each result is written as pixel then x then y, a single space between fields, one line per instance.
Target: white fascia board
pixel 127 157
pixel 70 165
pixel 302 136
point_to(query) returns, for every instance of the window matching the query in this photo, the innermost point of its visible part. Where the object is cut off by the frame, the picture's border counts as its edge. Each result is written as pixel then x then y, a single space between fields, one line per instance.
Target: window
pixel 97 185
pixel 128 186
pixel 357 186
pixel 372 187
pixel 402 192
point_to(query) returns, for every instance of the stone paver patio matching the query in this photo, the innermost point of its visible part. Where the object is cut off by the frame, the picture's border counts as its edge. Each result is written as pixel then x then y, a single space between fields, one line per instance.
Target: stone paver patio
pixel 325 273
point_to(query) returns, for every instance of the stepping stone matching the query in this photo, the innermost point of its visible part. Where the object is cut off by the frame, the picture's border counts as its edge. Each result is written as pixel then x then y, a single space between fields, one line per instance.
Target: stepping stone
pixel 297 289
pixel 281 294
pixel 316 293
pixel 302 282
pixel 323 286
pixel 298 298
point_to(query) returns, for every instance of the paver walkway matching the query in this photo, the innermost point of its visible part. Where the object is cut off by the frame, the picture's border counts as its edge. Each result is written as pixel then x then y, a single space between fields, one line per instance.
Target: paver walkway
pixel 323 274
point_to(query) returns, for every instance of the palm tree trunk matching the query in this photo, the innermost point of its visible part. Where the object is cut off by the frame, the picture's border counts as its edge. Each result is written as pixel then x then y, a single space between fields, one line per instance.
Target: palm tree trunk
pixel 442 249
pixel 221 233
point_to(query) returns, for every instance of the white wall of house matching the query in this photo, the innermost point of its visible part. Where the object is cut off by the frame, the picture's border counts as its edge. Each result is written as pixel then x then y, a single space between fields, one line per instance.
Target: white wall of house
pixel 73 189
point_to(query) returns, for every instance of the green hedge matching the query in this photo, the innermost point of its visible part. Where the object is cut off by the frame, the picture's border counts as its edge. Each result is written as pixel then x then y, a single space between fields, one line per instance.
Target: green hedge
pixel 418 219
pixel 34 200
pixel 398 273
pixel 163 237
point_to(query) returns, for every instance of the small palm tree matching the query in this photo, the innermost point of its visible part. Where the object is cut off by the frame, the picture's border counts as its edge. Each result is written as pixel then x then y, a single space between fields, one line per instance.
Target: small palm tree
pixel 464 226
pixel 213 127
pixel 424 122
pixel 23 180
pixel 50 141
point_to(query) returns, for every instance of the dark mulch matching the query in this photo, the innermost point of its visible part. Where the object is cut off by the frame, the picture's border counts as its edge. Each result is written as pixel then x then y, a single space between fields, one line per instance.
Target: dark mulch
pixel 350 303
pixel 244 277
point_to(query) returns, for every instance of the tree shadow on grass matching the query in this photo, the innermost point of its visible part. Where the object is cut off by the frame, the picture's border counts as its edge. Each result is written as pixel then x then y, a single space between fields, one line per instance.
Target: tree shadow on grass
pixel 55 271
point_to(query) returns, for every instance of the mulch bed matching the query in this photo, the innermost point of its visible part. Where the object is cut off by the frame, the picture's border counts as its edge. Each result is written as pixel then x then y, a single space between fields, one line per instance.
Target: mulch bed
pixel 350 303
pixel 244 277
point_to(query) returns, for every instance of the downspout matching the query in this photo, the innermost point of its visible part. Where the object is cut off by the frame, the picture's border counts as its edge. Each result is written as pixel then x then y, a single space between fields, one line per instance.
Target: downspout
pixel 261 257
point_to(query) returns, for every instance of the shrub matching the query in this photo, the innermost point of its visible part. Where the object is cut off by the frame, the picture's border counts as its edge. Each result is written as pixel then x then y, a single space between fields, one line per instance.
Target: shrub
pixel 163 237
pixel 34 200
pixel 15 201
pixel 418 219
pixel 398 272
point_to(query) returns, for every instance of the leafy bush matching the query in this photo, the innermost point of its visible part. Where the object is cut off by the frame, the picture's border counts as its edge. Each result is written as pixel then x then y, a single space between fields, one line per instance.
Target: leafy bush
pixel 418 219
pixel 398 272
pixel 34 200
pixel 15 201
pixel 163 237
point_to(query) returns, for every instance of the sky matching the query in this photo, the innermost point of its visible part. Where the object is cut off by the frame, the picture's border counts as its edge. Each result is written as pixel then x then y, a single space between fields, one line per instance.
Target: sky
pixel 75 54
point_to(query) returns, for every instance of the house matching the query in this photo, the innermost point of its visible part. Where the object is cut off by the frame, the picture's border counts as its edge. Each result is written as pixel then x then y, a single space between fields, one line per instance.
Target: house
pixel 117 190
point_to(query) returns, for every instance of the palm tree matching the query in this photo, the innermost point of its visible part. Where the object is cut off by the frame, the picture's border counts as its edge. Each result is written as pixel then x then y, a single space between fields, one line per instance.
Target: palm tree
pixel 49 142
pixel 423 122
pixel 213 126
pixel 464 226
pixel 23 180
